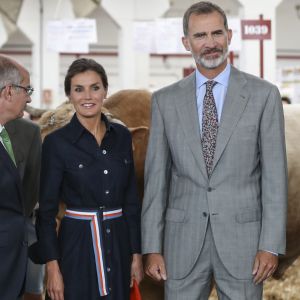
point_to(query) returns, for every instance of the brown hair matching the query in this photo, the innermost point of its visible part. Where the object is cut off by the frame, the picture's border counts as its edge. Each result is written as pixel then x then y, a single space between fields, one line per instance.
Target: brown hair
pixel 82 65
pixel 202 8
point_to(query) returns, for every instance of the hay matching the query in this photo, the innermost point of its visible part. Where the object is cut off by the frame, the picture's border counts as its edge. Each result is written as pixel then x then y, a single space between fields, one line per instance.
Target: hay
pixel 286 288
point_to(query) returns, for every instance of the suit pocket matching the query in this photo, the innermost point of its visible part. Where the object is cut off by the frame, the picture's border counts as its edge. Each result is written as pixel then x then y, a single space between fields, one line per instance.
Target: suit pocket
pixel 78 165
pixel 175 215
pixel 247 216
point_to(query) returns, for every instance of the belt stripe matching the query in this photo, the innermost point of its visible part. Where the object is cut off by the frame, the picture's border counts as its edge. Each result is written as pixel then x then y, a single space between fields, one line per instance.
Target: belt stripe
pixel 96 231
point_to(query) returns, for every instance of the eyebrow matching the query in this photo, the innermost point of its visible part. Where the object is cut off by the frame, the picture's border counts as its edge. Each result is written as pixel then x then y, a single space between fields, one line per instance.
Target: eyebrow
pixel 198 34
pixel 80 85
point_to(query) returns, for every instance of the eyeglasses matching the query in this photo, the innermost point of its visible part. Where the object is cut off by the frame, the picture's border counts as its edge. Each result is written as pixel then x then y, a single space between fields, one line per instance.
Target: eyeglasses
pixel 28 89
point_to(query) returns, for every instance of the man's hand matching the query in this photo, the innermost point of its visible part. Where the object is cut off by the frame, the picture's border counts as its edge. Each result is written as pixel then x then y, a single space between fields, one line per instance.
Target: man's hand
pixel 155 266
pixel 265 264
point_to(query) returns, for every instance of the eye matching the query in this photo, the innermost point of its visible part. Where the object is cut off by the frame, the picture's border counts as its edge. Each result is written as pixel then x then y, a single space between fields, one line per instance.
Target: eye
pixel 218 33
pixel 200 36
pixel 78 89
pixel 96 88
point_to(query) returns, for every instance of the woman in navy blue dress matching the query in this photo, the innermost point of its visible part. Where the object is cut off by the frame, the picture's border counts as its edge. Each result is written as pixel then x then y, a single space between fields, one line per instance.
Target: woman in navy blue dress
pixel 88 164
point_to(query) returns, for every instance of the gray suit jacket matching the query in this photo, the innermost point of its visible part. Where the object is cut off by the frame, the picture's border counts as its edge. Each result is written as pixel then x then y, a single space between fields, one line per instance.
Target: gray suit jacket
pixel 246 196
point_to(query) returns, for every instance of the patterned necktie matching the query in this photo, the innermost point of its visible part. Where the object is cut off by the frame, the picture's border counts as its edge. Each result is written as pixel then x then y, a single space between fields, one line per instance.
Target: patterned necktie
pixel 209 126
pixel 7 144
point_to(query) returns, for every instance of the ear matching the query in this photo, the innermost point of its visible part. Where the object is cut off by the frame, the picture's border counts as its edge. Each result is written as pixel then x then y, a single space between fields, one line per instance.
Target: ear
pixel 186 43
pixel 6 92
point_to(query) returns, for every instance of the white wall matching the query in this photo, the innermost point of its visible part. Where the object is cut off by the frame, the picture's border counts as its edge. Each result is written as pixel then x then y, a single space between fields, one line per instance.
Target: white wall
pixel 165 70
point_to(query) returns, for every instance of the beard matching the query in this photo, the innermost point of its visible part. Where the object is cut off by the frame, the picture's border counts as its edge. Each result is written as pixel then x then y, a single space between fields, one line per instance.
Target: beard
pixel 211 63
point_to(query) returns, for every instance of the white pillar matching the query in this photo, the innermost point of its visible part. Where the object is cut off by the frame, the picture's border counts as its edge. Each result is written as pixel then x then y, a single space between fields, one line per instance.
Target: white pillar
pixel 250 53
pixel 29 22
pixel 133 67
pixel 33 20
pixel 3 33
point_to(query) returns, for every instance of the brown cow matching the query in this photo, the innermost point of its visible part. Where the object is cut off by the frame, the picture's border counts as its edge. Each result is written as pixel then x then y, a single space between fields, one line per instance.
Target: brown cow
pixel 292 130
pixel 132 107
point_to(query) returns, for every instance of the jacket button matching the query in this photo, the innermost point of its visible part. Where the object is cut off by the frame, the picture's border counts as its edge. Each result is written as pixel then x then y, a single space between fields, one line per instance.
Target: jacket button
pixel 80 166
pixel 105 171
pixel 209 189
pixel 104 151
pixel 204 214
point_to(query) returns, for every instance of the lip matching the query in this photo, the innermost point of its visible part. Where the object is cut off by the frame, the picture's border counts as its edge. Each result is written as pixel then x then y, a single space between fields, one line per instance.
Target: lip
pixel 88 105
pixel 212 55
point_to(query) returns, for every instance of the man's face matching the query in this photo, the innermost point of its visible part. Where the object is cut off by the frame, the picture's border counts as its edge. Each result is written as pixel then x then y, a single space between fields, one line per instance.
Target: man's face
pixel 208 41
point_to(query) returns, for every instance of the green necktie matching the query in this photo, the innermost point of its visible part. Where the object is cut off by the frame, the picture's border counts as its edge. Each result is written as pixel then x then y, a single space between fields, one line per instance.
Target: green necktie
pixel 7 144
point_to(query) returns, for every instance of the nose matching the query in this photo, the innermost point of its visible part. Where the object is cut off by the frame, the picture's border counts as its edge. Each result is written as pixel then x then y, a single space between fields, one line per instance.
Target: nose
pixel 210 41
pixel 87 94
pixel 28 99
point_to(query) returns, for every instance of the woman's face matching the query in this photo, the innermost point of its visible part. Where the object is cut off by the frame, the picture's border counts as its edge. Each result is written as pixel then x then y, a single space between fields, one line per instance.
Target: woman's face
pixel 87 94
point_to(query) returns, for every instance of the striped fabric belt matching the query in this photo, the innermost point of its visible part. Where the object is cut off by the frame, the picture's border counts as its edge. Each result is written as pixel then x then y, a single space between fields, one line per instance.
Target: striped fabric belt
pixel 96 217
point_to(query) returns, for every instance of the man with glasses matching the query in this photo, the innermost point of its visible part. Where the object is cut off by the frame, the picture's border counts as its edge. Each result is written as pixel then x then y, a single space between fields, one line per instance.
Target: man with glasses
pixel 20 145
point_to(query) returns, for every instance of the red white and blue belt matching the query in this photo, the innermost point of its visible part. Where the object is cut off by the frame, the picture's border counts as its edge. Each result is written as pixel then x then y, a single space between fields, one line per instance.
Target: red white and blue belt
pixel 96 217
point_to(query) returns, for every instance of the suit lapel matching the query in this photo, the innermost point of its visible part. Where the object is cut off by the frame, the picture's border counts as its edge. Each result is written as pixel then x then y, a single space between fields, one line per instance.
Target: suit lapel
pixel 186 106
pixel 13 134
pixel 8 163
pixel 235 102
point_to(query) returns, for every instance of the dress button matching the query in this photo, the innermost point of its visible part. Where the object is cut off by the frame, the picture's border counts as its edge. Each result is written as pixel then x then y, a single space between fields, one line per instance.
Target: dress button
pixel 107 230
pixel 105 171
pixel 107 192
pixel 204 214
pixel 80 166
pixel 108 269
pixel 104 151
pixel 209 189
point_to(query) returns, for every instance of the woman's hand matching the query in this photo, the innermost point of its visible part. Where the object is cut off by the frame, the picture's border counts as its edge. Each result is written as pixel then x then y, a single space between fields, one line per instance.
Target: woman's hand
pixel 55 284
pixel 137 272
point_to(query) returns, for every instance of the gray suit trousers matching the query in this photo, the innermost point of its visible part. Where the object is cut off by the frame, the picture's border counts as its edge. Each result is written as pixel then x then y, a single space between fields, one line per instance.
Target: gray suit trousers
pixel 198 283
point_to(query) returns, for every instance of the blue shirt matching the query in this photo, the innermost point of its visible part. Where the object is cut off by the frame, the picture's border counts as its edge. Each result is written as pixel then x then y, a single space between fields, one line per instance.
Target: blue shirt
pixel 219 91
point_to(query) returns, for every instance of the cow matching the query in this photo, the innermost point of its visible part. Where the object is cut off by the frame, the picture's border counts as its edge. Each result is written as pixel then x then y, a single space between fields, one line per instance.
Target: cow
pixel 132 108
pixel 292 130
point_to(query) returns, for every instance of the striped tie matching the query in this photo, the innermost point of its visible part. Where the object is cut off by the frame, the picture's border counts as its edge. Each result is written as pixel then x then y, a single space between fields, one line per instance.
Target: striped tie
pixel 209 126
pixel 7 144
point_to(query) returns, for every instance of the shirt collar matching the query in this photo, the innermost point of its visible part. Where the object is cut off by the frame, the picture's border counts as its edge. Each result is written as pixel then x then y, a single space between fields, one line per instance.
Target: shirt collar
pixel 77 129
pixel 222 78
pixel 1 128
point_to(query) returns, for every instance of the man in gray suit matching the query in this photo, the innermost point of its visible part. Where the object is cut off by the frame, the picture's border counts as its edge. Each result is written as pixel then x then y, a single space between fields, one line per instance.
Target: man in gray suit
pixel 215 178
pixel 20 145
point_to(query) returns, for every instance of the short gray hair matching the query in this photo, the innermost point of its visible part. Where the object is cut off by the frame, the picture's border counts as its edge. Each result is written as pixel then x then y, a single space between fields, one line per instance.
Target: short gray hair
pixel 202 8
pixel 9 72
